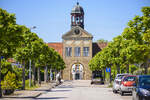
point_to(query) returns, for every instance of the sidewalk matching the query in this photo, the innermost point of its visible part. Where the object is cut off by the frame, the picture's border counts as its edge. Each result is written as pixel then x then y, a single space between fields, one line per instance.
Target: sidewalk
pixel 32 93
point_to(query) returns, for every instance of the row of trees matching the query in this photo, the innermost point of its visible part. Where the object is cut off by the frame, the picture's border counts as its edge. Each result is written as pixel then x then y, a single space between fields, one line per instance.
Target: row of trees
pixel 129 49
pixel 18 42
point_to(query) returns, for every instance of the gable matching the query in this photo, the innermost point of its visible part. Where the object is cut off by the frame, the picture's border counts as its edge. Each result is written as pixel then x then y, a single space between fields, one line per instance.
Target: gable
pixel 77 32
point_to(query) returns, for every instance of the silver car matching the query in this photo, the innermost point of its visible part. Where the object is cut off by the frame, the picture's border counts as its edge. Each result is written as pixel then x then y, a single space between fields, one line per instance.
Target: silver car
pixel 117 82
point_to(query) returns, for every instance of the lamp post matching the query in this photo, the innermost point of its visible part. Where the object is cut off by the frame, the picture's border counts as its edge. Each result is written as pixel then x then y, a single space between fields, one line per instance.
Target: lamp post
pixel 30 62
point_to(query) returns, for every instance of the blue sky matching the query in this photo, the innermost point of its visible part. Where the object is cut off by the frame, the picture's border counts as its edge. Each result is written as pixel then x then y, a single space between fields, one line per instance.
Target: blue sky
pixel 103 18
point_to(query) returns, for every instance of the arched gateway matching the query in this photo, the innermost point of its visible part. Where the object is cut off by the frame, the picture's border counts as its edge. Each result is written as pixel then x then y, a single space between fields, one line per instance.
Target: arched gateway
pixel 77 72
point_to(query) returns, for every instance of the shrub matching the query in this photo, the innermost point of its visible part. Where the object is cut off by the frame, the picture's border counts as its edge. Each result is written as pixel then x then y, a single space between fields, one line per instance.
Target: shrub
pixel 6 67
pixel 9 81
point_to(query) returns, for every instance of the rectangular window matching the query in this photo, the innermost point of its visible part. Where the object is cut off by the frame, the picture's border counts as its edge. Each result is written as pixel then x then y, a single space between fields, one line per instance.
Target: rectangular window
pixel 77 51
pixel 68 51
pixel 85 51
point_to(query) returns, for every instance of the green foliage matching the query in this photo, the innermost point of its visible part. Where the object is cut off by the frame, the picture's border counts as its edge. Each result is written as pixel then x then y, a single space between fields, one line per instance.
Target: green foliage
pixel 139 71
pixel 132 46
pixel 18 72
pixel 10 33
pixel 5 68
pixel 17 41
pixel 102 41
pixel 133 68
pixel 9 81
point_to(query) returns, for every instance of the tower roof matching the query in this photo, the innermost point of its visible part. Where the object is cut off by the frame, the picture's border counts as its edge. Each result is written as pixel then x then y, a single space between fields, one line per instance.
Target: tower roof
pixel 77 9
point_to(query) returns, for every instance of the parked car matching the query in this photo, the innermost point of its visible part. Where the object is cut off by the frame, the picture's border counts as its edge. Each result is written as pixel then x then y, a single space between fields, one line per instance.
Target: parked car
pixel 141 90
pixel 127 84
pixel 116 83
pixel 97 77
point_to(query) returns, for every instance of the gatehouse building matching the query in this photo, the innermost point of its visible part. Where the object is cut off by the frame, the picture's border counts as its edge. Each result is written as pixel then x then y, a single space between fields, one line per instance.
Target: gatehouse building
pixel 77 48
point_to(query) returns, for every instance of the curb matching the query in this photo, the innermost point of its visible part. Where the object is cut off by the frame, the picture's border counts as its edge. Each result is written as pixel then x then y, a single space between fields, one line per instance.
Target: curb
pixel 33 95
pixel 15 96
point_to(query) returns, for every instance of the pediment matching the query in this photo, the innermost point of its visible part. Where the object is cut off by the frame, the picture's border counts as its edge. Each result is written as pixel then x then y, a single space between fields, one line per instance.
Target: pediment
pixel 77 32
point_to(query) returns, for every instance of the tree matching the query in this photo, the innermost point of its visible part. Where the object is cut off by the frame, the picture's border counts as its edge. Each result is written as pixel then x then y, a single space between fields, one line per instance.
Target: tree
pixel 10 35
pixel 36 52
pixel 138 31
pixel 102 41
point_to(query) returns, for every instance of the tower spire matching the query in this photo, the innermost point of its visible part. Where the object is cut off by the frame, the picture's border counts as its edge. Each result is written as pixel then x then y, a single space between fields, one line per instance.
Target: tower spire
pixel 77 16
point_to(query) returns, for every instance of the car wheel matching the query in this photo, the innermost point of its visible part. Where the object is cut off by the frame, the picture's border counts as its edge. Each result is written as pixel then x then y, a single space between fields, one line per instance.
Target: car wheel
pixel 114 91
pixel 138 97
pixel 142 98
pixel 121 93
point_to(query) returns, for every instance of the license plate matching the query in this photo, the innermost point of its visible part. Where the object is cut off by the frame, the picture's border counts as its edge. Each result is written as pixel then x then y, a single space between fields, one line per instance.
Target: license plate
pixel 130 89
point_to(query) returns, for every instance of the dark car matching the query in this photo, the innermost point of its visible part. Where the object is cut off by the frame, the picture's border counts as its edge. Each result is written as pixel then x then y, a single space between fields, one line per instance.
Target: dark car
pixel 141 90
pixel 97 77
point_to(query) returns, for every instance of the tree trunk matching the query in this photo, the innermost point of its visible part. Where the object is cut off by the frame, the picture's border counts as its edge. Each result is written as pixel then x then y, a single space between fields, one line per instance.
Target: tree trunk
pixel 0 80
pixel 39 76
pixel 104 75
pixel 23 75
pixel 30 73
pixel 33 74
pixel 50 71
pixel 118 69
pixel 127 68
pixel 45 74
pixel 110 76
pixel 146 68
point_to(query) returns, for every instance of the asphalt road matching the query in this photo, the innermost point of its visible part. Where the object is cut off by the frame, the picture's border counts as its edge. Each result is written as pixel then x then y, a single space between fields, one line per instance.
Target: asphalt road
pixel 78 90
pixel 81 90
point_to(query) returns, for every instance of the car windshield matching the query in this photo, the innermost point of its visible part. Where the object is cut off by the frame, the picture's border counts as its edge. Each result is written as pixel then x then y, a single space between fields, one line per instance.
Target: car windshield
pixel 97 74
pixel 130 78
pixel 119 76
pixel 145 81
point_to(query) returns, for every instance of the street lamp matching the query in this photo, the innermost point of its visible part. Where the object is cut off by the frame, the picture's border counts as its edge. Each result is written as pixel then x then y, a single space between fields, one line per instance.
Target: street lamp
pixel 30 62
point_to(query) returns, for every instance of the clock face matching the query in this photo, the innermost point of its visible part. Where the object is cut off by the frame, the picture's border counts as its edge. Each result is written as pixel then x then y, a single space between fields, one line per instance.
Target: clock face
pixel 77 31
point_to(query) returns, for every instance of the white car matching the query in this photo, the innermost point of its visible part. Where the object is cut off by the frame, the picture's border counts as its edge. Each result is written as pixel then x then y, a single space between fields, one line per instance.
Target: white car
pixel 117 82
pixel 127 84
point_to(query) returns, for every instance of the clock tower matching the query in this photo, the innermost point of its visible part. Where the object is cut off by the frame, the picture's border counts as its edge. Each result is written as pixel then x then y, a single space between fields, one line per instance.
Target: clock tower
pixel 77 48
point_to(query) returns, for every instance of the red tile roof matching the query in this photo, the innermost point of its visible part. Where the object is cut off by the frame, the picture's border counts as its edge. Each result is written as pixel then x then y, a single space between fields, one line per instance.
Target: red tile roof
pixel 57 46
pixel 97 47
pixel 102 45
